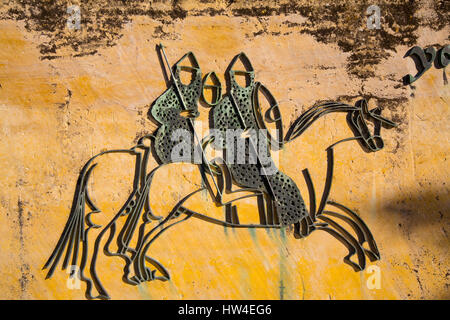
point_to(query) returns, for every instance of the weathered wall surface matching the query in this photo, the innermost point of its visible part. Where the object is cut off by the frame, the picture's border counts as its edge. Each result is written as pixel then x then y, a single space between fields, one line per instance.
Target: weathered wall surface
pixel 67 95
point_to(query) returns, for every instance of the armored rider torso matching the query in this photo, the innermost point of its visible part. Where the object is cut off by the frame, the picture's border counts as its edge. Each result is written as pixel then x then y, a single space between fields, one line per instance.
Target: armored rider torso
pixel 166 110
pixel 286 196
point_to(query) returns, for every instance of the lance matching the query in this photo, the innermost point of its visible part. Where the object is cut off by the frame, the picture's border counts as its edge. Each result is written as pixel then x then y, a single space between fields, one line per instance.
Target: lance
pixel 183 105
pixel 242 121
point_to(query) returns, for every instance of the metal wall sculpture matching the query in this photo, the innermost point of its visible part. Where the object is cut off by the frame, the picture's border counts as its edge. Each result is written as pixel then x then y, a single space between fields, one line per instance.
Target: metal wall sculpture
pixel 424 59
pixel 280 203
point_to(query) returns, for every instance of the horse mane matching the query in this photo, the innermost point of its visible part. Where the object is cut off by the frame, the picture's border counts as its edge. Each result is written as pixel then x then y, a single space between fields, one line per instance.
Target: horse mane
pixel 307 118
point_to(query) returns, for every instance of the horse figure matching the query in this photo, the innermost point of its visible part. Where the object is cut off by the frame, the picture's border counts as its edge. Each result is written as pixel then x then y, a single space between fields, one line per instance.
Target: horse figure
pixel 174 110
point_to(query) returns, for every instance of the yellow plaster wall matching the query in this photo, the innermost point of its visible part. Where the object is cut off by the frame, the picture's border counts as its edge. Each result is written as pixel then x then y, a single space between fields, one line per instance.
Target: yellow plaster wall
pixel 57 113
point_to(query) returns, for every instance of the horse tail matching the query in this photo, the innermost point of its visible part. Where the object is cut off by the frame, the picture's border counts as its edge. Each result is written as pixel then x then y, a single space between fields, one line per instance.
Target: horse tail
pixel 75 231
pixel 74 238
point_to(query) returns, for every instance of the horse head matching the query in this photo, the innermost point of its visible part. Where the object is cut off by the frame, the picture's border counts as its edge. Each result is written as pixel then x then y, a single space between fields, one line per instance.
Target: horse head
pixel 358 119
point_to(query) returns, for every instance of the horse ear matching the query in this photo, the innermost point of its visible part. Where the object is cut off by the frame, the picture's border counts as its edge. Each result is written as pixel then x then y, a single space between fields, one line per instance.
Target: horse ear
pixel 363 105
pixel 375 113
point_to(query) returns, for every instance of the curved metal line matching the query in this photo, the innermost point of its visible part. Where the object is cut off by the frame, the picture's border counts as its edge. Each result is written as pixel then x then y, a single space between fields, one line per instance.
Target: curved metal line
pixel 258 114
pixel 374 254
pixel 328 181
pixel 351 249
pixel 142 245
pixel 349 237
pixel 350 222
pixel 227 224
pixel 312 194
pixel 344 140
pixel 304 121
pixel 157 264
pixel 218 88
pixel 141 257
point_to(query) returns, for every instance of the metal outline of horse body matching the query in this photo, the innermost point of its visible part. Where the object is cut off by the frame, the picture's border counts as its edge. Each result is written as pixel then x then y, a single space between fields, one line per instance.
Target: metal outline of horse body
pixel 137 207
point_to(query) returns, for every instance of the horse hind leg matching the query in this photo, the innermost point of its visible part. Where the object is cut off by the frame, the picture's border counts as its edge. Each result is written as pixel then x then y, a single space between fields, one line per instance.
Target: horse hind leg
pixel 131 263
pixel 123 241
pixel 111 227
pixel 132 273
pixel 94 280
pixel 143 273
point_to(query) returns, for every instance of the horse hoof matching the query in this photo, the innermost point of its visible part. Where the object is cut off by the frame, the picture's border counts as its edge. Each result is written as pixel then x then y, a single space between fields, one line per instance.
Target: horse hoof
pixel 357 267
pixel 151 275
pixel 136 280
pixel 373 256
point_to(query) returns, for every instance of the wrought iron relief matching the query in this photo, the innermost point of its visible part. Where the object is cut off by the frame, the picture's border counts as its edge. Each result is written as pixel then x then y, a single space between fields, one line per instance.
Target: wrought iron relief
pixel 280 203
pixel 424 59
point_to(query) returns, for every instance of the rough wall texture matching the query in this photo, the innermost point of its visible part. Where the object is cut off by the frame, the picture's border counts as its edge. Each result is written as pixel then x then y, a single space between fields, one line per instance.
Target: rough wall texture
pixel 66 95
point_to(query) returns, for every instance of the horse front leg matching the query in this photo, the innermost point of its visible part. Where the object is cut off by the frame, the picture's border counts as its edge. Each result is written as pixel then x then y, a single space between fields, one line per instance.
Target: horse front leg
pixel 359 226
pixel 309 223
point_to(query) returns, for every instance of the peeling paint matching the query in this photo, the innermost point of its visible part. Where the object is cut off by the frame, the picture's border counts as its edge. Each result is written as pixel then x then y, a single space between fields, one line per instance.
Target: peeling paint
pixel 66 96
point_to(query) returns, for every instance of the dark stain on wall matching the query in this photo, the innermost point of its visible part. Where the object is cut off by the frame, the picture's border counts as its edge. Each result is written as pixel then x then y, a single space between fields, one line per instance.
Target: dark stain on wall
pixel 20 222
pixel 25 274
pixel 340 22
pixel 344 23
pixel 441 16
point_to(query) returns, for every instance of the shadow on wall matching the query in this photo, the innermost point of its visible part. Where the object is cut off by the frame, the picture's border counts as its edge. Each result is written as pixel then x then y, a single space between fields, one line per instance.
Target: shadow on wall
pixel 421 218
pixel 422 211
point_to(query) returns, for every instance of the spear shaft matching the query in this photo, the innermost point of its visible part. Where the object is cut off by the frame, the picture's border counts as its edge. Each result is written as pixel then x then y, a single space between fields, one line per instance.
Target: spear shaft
pixel 183 105
pixel 241 119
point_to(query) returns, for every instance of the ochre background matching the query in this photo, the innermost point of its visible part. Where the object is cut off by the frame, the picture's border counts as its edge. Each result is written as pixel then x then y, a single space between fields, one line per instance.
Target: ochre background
pixel 67 95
